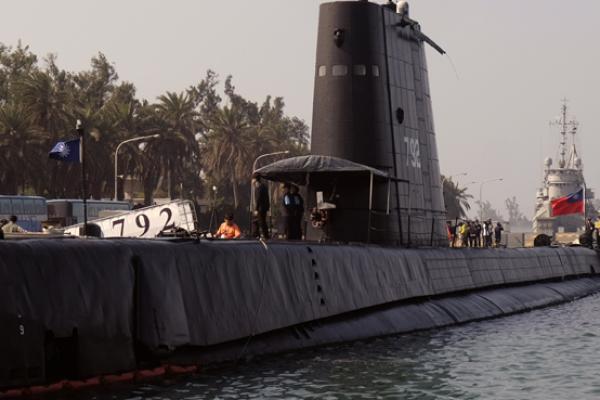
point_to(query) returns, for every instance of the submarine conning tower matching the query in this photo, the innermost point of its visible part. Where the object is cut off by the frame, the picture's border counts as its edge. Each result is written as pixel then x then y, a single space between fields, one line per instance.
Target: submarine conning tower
pixel 372 105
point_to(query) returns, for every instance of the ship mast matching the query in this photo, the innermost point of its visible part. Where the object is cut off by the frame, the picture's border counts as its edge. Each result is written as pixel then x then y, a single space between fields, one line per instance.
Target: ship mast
pixel 566 126
pixel 573 159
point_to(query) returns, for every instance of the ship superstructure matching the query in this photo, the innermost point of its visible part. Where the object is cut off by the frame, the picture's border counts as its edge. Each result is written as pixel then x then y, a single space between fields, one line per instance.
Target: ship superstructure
pixel 560 180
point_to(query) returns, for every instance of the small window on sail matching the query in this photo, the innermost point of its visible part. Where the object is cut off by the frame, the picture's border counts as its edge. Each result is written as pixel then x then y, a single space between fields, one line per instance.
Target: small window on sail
pixel 360 70
pixel 400 115
pixel 339 70
pixel 375 69
pixel 322 70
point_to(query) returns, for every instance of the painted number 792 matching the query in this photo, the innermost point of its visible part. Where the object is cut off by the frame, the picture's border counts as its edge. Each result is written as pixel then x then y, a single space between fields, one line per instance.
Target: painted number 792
pixel 413 152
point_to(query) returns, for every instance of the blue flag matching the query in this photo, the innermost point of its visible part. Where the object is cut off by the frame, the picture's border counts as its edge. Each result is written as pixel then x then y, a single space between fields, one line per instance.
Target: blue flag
pixel 66 151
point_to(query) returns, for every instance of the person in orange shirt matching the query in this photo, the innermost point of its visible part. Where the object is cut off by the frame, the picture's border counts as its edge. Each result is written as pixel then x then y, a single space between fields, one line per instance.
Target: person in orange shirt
pixel 228 229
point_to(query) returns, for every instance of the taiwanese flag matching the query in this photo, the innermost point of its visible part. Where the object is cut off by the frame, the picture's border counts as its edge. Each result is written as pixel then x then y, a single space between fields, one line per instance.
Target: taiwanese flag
pixel 571 204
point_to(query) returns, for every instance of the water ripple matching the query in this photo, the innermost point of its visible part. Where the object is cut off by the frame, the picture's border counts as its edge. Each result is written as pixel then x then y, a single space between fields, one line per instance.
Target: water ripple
pixel 544 354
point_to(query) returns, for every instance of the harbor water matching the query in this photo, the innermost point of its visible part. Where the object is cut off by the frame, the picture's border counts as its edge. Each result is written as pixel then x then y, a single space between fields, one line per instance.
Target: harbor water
pixel 551 353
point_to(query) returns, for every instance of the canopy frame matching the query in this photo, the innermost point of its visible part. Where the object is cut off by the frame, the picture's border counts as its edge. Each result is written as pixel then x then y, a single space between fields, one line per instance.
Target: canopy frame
pixel 300 170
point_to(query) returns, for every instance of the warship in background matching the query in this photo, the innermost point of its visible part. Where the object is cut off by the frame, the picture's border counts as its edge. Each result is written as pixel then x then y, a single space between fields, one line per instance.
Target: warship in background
pixel 561 179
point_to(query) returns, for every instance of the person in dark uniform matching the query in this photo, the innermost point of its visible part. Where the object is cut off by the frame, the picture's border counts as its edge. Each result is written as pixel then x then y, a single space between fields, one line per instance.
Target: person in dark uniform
pixel 498 234
pixel 261 207
pixel 287 211
pixel 589 233
pixel 477 233
pixel 297 214
pixel 597 232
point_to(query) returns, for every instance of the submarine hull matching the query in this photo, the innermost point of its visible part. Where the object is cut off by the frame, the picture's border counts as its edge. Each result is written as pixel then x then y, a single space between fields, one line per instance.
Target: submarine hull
pixel 390 319
pixel 82 308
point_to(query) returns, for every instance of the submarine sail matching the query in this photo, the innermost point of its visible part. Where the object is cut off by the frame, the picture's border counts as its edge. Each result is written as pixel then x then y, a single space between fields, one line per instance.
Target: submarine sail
pixel 372 105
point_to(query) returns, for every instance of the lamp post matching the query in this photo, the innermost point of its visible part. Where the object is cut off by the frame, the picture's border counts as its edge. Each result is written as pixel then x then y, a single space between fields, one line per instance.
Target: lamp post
pixel 81 133
pixel 481 194
pixel 254 164
pixel 212 208
pixel 252 199
pixel 117 152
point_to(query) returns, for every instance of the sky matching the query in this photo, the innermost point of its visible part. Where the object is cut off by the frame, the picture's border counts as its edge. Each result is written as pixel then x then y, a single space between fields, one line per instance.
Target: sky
pixel 509 65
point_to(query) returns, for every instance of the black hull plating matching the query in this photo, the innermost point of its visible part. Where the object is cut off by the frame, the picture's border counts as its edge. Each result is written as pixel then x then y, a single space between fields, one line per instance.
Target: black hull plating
pixel 77 308
pixel 390 319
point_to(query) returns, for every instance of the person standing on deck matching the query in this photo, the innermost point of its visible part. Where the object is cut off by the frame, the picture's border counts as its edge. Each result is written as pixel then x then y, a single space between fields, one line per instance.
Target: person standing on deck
pixel 261 207
pixel 287 211
pixel 297 214
pixel 498 233
pixel 597 231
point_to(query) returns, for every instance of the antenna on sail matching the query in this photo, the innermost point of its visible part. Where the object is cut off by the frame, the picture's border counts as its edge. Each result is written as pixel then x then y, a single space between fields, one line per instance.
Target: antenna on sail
pixel 402 9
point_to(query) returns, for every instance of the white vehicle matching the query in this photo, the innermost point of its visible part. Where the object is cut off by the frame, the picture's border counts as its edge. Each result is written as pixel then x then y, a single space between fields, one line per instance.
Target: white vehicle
pixel 145 222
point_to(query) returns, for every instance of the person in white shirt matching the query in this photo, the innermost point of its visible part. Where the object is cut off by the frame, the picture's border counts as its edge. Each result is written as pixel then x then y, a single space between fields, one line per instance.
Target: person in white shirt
pixel 12 226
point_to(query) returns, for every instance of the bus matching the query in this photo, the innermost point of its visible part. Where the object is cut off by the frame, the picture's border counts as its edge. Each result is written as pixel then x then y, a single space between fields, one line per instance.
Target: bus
pixel 66 212
pixel 30 211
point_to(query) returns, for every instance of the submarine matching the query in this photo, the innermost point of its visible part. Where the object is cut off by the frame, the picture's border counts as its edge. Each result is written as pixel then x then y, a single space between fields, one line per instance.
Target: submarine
pixel 86 309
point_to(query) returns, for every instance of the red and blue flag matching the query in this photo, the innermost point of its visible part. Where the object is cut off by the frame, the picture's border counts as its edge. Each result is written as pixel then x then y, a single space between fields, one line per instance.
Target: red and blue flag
pixel 571 204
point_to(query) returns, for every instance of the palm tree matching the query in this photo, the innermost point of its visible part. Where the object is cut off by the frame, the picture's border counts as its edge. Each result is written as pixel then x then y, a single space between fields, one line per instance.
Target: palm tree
pixel 21 147
pixel 40 94
pixel 44 94
pixel 178 145
pixel 455 198
pixel 226 153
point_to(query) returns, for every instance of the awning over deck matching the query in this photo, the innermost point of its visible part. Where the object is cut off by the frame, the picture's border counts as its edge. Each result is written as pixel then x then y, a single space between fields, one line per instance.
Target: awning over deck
pixel 296 169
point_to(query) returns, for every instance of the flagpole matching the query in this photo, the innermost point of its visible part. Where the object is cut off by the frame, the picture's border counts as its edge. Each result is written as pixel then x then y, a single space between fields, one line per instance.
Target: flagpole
pixel 584 202
pixel 80 132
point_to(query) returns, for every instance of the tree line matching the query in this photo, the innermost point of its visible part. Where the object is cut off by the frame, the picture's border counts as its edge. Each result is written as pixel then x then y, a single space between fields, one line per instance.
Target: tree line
pixel 457 202
pixel 208 139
